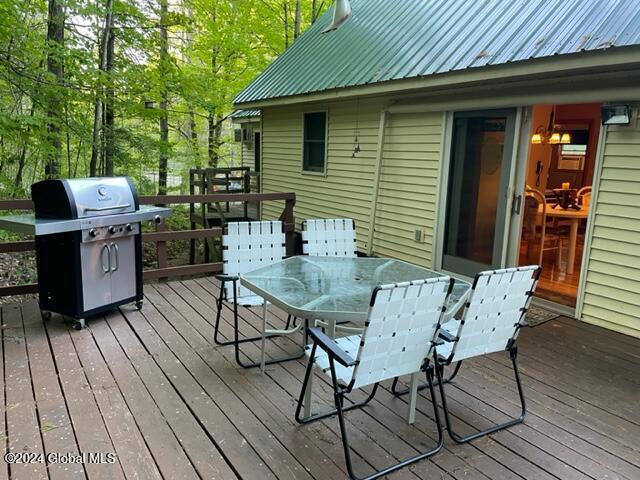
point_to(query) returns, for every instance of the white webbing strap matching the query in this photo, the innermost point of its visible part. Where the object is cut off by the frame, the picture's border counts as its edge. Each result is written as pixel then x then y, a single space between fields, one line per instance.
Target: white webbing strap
pixel 495 309
pixel 248 246
pixel 399 332
pixel 329 237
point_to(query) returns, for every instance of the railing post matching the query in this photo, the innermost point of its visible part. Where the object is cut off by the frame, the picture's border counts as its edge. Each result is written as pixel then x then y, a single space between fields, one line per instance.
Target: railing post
pixel 288 220
pixel 161 249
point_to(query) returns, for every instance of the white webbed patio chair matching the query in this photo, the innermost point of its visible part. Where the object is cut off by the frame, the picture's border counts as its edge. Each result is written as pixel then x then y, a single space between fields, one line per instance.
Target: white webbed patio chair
pixel 490 323
pixel 398 339
pixel 247 246
pixel 329 237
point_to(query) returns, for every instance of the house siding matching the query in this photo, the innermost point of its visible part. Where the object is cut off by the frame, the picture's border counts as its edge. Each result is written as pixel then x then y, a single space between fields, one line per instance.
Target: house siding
pixel 613 268
pixel 345 189
pixel 408 185
pixel 411 152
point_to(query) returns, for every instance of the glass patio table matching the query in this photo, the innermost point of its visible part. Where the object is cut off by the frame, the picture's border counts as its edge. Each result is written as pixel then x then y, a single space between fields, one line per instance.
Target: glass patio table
pixel 333 289
pixel 337 288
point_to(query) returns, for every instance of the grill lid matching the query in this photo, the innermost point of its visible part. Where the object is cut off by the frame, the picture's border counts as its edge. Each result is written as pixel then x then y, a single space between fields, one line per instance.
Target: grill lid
pixel 84 197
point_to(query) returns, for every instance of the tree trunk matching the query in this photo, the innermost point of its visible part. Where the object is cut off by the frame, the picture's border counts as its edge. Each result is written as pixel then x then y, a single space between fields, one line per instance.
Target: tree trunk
pixel 314 10
pixel 109 115
pixel 286 24
pixel 215 133
pixel 193 134
pixel 23 155
pixel 297 20
pixel 97 113
pixel 164 116
pixel 55 44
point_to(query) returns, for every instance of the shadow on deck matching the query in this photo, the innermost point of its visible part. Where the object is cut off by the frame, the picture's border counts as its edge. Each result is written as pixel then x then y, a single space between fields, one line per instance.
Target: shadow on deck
pixel 152 389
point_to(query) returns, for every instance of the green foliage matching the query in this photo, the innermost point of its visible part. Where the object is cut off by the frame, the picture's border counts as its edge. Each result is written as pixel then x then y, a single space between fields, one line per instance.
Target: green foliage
pixel 216 47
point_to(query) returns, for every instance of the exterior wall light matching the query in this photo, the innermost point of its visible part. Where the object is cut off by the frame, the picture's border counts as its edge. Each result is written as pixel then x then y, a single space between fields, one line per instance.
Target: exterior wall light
pixel 616 115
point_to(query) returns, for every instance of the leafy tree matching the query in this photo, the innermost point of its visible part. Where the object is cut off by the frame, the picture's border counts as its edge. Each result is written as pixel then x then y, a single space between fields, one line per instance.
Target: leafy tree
pixel 104 87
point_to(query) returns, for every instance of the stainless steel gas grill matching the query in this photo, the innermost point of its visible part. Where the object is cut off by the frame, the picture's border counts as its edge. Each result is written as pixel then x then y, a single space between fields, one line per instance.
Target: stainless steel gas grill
pixel 88 244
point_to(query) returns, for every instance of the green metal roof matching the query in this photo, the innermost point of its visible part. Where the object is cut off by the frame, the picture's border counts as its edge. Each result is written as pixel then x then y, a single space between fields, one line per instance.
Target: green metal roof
pixel 240 114
pixel 387 40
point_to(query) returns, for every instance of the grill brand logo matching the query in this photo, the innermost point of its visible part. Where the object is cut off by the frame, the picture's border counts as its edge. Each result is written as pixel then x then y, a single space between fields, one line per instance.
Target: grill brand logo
pixel 103 195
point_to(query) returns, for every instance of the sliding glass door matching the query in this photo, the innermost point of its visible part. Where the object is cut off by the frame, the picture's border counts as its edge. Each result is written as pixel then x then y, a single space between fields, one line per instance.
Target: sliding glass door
pixel 478 191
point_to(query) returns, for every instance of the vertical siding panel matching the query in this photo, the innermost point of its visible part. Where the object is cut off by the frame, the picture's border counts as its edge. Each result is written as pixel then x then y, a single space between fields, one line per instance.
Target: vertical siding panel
pixel 612 279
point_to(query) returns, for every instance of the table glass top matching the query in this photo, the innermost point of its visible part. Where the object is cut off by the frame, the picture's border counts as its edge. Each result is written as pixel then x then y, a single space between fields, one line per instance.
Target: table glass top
pixel 335 287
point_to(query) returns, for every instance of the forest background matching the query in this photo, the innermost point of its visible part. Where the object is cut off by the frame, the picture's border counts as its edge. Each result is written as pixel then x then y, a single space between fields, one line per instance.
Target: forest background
pixel 130 87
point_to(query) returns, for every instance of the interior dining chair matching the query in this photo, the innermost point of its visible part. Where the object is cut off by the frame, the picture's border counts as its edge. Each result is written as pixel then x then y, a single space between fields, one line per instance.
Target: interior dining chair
pixel 584 197
pixel 247 246
pixel 398 338
pixel 490 323
pixel 535 230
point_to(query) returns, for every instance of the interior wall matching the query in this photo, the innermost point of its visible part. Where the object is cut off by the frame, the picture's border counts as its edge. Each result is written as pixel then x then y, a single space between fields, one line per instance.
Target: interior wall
pixel 539 153
pixel 575 114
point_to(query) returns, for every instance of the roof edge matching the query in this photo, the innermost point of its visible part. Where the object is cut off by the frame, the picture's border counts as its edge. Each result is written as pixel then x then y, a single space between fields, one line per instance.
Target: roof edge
pixel 560 65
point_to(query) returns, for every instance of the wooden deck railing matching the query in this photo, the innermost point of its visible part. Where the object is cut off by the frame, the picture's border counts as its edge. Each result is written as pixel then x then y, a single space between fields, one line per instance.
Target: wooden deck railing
pixel 161 236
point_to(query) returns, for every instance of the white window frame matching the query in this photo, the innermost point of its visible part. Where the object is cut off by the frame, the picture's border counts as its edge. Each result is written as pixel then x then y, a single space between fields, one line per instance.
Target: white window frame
pixel 322 173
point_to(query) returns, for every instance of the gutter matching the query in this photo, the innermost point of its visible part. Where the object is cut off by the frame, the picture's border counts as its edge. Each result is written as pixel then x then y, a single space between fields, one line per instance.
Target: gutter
pixel 376 179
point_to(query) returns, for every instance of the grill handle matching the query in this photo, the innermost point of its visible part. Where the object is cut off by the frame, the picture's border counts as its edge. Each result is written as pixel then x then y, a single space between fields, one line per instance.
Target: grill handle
pixel 106 248
pixel 104 209
pixel 116 263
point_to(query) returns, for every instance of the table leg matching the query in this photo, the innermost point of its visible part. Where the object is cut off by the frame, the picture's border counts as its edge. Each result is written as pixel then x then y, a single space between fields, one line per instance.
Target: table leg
pixel 573 243
pixel 263 343
pixel 307 393
pixel 331 329
pixel 413 397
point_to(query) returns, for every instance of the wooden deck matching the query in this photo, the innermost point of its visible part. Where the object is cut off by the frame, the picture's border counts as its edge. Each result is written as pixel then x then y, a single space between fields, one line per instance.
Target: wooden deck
pixel 151 388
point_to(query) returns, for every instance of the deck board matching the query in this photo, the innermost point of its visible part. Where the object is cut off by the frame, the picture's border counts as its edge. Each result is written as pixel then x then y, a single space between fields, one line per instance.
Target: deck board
pixel 153 388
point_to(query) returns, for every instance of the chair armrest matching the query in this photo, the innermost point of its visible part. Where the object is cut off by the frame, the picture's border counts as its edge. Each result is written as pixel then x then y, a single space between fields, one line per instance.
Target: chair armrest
pixel 227 278
pixel 446 336
pixel 331 347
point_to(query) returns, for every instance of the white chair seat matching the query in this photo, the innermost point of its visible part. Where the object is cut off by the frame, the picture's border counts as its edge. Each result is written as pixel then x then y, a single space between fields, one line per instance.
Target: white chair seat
pixel 348 344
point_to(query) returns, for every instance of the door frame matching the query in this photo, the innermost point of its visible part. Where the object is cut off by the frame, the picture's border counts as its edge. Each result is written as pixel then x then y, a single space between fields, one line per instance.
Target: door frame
pixel 443 185
pixel 513 245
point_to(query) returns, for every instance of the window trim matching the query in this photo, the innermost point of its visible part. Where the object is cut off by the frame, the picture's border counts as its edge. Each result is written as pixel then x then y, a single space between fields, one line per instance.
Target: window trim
pixel 322 173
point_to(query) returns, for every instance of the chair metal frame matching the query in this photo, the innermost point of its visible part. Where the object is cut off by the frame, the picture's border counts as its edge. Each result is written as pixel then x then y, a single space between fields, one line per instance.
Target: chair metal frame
pixel 498 303
pixel 404 316
pixel 269 249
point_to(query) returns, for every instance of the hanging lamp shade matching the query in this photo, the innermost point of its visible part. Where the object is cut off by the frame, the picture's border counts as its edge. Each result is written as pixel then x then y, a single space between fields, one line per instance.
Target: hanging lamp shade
pixel 565 139
pixel 555 138
pixel 536 138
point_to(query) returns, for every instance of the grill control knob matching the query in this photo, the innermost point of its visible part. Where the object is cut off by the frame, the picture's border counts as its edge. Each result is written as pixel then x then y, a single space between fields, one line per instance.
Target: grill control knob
pixel 129 227
pixel 93 232
pixel 112 229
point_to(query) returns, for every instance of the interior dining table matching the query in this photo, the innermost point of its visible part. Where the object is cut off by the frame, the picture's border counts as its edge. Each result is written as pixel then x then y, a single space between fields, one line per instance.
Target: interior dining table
pixel 574 216
pixel 335 290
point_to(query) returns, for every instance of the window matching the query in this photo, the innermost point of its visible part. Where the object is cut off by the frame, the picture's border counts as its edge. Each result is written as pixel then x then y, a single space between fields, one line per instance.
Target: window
pixel 314 142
